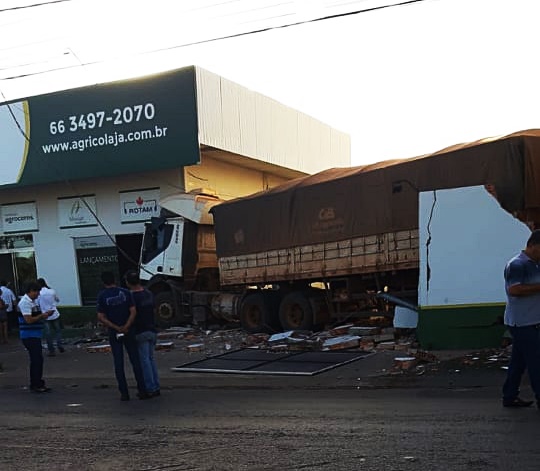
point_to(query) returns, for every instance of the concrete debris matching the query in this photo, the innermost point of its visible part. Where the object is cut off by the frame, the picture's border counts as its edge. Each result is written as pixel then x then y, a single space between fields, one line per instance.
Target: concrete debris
pixel 340 343
pixel 256 339
pixel 404 363
pixel 403 346
pixel 166 334
pixel 201 342
pixel 383 338
pixel 291 335
pixel 164 345
pixel 386 345
pixel 101 348
pixel 341 330
pixel 195 347
pixel 367 344
pixel 422 355
pixel 363 331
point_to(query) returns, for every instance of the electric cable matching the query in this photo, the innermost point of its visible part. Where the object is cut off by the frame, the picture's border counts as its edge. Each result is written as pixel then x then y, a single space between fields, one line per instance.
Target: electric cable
pixel 34 5
pixel 66 180
pixel 77 194
pixel 230 36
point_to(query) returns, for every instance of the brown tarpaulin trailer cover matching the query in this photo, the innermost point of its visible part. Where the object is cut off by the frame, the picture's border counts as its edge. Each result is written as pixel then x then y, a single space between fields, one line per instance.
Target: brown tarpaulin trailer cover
pixel 341 203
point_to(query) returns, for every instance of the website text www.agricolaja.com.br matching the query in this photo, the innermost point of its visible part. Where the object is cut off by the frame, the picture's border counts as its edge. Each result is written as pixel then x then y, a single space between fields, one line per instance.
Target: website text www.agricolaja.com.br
pixel 106 139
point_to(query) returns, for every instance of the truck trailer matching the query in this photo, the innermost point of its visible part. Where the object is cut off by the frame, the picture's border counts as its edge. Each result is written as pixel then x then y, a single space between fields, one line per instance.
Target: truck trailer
pixel 328 247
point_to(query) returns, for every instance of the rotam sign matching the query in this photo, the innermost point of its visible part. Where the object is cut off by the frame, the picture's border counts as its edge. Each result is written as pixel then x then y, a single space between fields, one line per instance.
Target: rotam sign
pixel 139 205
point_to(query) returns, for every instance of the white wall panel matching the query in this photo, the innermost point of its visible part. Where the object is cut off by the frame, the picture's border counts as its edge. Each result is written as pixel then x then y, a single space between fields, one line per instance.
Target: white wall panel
pixel 247 123
pixel 54 248
pixel 472 238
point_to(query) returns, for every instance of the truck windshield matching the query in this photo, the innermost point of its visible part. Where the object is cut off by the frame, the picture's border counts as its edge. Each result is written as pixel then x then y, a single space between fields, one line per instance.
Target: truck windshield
pixel 157 237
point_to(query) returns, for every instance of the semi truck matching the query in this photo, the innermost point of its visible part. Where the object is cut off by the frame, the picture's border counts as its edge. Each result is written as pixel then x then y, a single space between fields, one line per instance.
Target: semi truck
pixel 328 247
pixel 297 287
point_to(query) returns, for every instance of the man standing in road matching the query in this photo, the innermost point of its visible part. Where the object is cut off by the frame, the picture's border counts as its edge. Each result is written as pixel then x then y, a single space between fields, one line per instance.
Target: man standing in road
pixel 31 321
pixel 116 310
pixel 145 331
pixel 522 316
pixel 53 329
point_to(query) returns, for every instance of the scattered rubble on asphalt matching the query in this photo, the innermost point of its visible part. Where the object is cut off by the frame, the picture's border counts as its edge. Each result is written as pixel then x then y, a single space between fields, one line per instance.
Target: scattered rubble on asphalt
pixel 409 358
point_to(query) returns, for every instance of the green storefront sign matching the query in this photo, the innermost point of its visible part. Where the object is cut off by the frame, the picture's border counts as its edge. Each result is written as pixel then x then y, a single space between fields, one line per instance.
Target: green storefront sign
pixel 115 128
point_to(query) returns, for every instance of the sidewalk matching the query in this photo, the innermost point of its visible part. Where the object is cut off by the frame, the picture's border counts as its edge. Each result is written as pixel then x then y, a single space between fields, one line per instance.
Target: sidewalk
pixel 455 369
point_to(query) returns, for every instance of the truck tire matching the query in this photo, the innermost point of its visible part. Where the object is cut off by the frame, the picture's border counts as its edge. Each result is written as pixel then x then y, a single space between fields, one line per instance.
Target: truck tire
pixel 166 315
pixel 259 313
pixel 295 312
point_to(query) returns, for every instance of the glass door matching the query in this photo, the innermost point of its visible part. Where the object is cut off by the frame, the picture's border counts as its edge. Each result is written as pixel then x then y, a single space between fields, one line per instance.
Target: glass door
pixel 25 269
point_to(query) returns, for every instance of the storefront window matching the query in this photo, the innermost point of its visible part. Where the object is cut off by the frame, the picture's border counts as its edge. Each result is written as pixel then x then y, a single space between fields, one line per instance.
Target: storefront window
pixel 17 261
pixel 25 268
pixel 94 256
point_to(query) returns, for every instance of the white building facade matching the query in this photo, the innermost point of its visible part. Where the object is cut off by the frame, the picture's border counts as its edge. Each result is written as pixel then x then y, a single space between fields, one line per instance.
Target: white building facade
pixel 84 169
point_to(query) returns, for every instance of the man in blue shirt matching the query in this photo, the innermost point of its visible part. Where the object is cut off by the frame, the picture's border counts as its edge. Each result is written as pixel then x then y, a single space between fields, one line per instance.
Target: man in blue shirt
pixel 116 310
pixel 31 321
pixel 522 316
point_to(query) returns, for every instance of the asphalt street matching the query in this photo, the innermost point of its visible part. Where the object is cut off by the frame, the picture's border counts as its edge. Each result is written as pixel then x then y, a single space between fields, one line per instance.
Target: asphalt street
pixel 356 417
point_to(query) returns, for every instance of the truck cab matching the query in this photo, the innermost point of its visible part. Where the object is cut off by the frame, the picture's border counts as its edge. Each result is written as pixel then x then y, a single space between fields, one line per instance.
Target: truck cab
pixel 178 258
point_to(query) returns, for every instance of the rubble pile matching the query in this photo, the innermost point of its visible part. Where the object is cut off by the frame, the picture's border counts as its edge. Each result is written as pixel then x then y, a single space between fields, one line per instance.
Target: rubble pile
pixel 367 338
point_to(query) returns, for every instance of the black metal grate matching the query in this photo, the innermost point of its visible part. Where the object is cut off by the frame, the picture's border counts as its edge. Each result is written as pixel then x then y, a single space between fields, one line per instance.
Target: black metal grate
pixel 251 361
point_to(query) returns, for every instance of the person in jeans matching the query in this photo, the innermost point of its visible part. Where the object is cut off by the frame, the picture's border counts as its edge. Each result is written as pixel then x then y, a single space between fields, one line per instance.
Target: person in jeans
pixel 145 331
pixel 53 328
pixel 116 310
pixel 31 321
pixel 522 316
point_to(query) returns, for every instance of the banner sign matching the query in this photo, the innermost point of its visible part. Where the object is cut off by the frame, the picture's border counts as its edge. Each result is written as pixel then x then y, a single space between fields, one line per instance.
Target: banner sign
pixel 139 205
pixel 109 129
pixel 19 217
pixel 94 256
pixel 74 212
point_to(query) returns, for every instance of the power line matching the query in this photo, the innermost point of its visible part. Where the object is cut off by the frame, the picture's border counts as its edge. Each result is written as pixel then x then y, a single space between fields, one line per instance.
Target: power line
pixel 71 186
pixel 33 5
pixel 231 36
pixel 67 181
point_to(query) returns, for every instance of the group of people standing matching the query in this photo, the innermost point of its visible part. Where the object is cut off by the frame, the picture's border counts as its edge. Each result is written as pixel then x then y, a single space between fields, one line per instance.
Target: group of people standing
pixel 129 316
pixel 127 313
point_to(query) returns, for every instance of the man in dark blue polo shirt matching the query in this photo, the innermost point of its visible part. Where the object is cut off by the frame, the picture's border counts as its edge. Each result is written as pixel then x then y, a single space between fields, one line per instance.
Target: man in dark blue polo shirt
pixel 522 316
pixel 116 310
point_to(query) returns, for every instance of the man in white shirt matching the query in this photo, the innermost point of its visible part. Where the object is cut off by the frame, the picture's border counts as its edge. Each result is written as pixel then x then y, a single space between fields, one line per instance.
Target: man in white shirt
pixel 53 329
pixel 10 300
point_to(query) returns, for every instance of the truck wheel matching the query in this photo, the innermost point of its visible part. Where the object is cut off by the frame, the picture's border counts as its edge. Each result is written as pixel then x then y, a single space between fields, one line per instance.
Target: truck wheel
pixel 258 313
pixel 295 312
pixel 165 310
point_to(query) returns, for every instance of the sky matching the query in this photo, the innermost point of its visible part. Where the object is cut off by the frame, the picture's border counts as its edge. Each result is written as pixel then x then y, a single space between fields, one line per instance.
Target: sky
pixel 402 81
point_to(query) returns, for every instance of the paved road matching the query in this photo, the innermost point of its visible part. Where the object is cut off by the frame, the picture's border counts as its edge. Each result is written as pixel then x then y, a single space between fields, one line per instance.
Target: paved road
pixel 334 421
